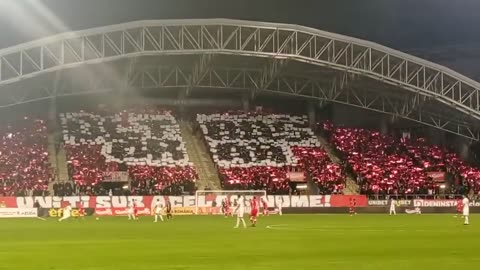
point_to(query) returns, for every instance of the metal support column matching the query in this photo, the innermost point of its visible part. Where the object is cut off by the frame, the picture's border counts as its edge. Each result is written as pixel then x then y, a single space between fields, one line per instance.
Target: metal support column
pixel 245 101
pixel 312 114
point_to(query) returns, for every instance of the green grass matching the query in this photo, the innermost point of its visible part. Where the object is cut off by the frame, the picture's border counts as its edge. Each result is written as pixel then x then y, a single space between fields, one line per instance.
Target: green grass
pixel 209 242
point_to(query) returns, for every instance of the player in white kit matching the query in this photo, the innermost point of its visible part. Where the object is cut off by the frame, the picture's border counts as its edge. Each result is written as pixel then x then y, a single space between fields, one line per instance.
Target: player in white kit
pixel 131 211
pixel 393 211
pixel 158 211
pixel 466 210
pixel 67 211
pixel 416 210
pixel 240 211
pixel 279 206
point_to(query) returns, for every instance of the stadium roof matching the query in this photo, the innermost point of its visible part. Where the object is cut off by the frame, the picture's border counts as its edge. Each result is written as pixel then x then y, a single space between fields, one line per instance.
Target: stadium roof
pixel 254 57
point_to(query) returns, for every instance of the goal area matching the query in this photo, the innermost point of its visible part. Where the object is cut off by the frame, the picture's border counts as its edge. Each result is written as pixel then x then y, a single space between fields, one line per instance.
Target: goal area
pixel 210 201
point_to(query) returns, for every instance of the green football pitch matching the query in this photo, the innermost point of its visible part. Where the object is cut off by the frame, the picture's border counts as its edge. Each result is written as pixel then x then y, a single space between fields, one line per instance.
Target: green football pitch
pixel 210 242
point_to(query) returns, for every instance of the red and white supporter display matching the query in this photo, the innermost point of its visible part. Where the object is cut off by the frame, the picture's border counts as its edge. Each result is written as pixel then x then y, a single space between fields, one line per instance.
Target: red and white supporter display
pixel 256 150
pixel 139 144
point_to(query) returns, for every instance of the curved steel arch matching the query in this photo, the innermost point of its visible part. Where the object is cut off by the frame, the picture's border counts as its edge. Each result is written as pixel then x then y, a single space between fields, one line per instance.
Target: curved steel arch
pixel 339 89
pixel 222 36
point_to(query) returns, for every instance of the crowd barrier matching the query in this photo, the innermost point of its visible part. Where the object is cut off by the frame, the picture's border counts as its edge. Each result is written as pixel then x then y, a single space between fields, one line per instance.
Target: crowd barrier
pixel 18 212
pixel 58 212
pixel 421 203
pixel 18 207
pixel 180 211
pixel 375 210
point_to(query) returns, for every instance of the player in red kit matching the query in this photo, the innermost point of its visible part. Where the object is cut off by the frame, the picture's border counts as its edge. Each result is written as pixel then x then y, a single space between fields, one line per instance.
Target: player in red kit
pixel 226 207
pixel 353 204
pixel 459 207
pixel 265 207
pixel 229 207
pixel 81 211
pixel 253 211
pixel 135 211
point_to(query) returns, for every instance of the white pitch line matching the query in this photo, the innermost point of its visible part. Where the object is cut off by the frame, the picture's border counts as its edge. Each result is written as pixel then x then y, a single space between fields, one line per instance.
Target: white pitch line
pixel 336 229
pixel 276 226
pixel 41 218
pixel 331 229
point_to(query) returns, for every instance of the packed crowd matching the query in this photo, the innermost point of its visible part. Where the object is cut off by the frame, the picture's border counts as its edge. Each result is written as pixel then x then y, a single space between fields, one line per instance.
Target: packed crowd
pixel 250 150
pixel 24 167
pixel 146 143
pixel 256 151
pixel 388 165
pixel 329 176
pixel 435 158
pixel 380 166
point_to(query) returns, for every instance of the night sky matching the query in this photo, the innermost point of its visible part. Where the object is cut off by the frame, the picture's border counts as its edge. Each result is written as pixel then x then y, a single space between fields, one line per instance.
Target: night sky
pixel 417 26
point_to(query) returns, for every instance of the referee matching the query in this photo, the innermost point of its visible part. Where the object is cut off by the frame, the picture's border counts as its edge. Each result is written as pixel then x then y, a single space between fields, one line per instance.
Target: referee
pixel 169 210
pixel 37 206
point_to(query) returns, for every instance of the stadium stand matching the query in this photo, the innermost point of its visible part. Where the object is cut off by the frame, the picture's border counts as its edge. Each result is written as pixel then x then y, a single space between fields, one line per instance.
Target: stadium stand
pixel 144 142
pixel 24 167
pixel 256 151
pixel 399 165
pixel 250 150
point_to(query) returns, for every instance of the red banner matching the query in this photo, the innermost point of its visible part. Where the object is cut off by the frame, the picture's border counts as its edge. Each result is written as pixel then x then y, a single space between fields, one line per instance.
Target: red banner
pixel 437 176
pixel 345 200
pixel 116 176
pixel 10 202
pixel 296 176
